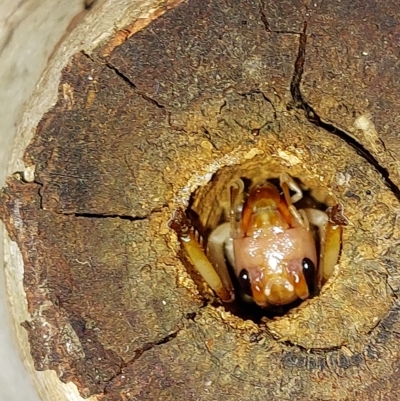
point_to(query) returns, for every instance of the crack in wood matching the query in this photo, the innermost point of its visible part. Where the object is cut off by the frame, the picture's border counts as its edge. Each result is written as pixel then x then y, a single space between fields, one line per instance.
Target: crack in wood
pixel 107 216
pixel 138 353
pixel 267 27
pixel 299 102
pixel 132 84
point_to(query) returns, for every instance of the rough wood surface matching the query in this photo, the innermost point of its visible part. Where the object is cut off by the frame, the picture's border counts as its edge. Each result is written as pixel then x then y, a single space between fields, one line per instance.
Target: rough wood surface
pixel 251 89
pixel 351 71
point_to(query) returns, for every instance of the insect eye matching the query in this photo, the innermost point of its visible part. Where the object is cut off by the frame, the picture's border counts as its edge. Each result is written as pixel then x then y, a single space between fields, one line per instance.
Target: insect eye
pixel 310 274
pixel 244 281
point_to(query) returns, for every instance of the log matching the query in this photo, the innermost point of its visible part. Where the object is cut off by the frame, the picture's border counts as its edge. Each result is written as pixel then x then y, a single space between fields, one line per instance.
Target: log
pixel 211 91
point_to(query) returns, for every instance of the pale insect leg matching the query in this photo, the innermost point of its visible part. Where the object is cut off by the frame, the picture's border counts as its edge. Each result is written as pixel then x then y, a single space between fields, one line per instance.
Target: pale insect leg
pixel 331 237
pixel 285 178
pixel 205 267
pixel 218 241
pixel 286 183
pixel 182 226
pixel 235 206
pixel 304 218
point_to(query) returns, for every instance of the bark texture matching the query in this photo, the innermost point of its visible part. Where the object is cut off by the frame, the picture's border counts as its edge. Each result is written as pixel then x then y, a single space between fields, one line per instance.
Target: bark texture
pixel 233 89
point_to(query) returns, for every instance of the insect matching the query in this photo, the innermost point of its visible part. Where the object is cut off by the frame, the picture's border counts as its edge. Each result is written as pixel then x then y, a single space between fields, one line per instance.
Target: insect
pixel 269 243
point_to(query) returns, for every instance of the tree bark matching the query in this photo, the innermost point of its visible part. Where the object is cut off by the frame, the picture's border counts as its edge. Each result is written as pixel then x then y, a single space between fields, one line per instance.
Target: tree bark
pixel 224 89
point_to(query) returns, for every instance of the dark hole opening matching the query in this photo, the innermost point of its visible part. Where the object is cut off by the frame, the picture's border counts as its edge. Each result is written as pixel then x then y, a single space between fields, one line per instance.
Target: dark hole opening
pixel 206 213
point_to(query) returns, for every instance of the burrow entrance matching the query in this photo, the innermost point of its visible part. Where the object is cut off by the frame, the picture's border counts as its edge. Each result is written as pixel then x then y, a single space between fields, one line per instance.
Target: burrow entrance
pixel 210 207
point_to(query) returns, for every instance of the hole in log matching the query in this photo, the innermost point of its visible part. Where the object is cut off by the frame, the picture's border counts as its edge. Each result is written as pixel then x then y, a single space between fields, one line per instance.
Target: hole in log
pixel 267 248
